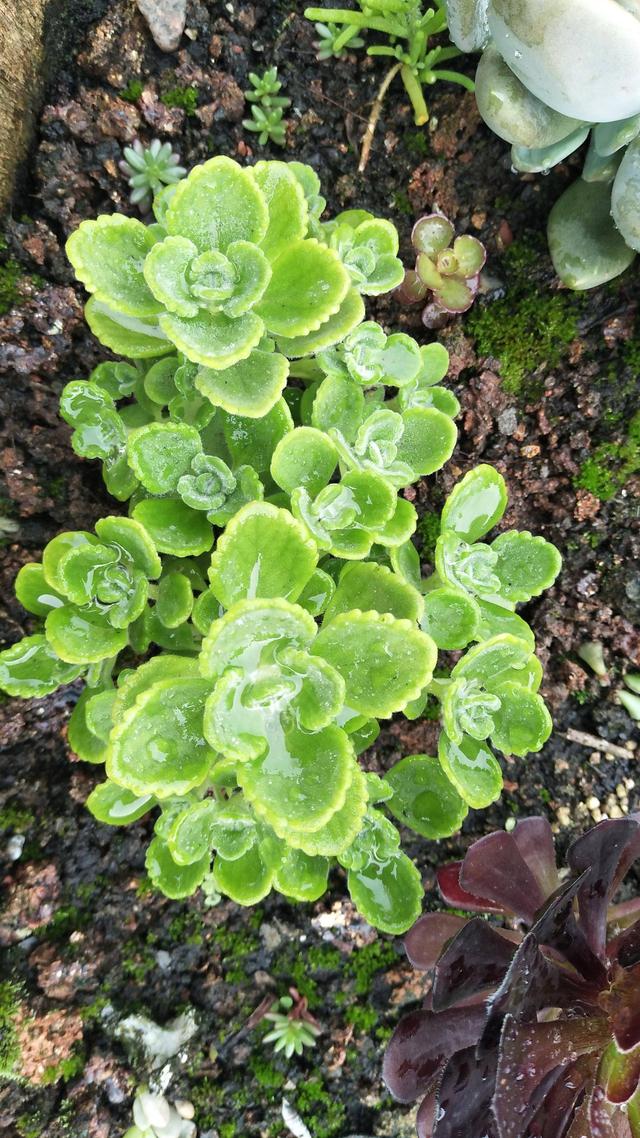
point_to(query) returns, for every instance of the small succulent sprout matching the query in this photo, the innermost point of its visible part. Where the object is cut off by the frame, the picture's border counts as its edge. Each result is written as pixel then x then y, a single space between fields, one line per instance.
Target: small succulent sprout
pixel 334 41
pixel 447 267
pixel 268 123
pixel 294 1028
pixel 629 696
pixel 407 28
pixel 265 89
pixel 268 107
pixel 530 1025
pixel 149 169
pixel 592 653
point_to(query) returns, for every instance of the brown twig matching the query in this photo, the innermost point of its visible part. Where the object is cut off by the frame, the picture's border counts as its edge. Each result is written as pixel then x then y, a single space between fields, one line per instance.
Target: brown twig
pixel 597 744
pixel 376 110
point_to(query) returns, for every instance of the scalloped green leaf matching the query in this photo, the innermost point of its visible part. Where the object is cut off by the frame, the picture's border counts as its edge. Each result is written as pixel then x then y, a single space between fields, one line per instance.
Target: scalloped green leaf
pixel 219 202
pixel 343 826
pixel 82 637
pixel 472 768
pixel 175 881
pixel 492 659
pixel 451 618
pixel 247 879
pixel 82 740
pixel 174 600
pixel 264 552
pixel 99 713
pixel 34 592
pixel 32 669
pixel 287 205
pixel 190 836
pixel 526 565
pixel 116 806
pixel 424 799
pixel 251 632
pixel 384 662
pixel 302 877
pixel 253 441
pixel 126 335
pixel 251 387
pixel 212 338
pixel 317 593
pixel 173 527
pixel 160 453
pixel 308 286
pixel 338 404
pixel 300 782
pixel 495 620
pixel 522 723
pixel 165 271
pixel 367 585
pixel 56 549
pixel 304 457
pixel 388 892
pixel 331 331
pixel 399 527
pixel 165 667
pixel 428 439
pixel 158 746
pixel 131 539
pixel 108 256
pixel 476 503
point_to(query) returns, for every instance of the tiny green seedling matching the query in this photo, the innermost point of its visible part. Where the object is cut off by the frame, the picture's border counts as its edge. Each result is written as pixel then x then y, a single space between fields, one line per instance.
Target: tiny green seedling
pixel 407 28
pixel 268 107
pixel 149 169
pixel 294 1028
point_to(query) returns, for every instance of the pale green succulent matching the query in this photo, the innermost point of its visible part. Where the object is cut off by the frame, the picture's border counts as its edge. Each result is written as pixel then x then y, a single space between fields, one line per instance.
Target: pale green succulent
pixel 553 74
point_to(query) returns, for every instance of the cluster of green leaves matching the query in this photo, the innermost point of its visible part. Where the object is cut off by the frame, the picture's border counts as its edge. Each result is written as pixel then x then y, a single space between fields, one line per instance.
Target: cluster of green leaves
pixel 148 169
pixel 265 575
pixel 268 107
pixel 407 27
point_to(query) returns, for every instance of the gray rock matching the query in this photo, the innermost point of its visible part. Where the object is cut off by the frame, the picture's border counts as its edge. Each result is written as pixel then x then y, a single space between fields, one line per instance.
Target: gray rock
pixel 166 20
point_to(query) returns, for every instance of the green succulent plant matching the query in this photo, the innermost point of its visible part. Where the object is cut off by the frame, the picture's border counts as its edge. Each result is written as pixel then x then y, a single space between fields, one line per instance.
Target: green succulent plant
pixel 293 1026
pixel 149 169
pixel 268 107
pixel 266 570
pixel 407 27
pixel 554 74
pixel 447 267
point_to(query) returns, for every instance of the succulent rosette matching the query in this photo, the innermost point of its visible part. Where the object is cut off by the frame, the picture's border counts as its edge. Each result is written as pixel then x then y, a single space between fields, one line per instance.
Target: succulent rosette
pixel 532 1022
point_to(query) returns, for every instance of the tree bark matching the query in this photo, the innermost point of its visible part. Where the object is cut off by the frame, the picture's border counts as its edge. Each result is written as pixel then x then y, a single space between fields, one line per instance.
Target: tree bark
pixel 21 78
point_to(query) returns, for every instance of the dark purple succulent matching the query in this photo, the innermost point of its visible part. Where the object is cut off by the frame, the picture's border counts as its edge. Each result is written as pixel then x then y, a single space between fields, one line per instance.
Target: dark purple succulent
pixel 531 1028
pixel 447 268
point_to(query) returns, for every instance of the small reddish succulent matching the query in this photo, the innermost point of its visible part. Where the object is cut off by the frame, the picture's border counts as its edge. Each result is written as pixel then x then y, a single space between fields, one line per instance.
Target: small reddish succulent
pixel 531 1028
pixel 447 267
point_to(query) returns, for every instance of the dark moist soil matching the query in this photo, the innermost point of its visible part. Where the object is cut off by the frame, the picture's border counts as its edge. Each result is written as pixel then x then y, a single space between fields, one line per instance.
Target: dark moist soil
pixel 549 389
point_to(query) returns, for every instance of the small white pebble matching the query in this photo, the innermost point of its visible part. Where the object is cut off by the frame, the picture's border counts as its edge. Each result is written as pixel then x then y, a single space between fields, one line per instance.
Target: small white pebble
pixel 621 790
pixel 510 825
pixel 185 1108
pixel 597 815
pixel 615 812
pixel 629 783
pixel 592 803
pixel 15 846
pixel 563 814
